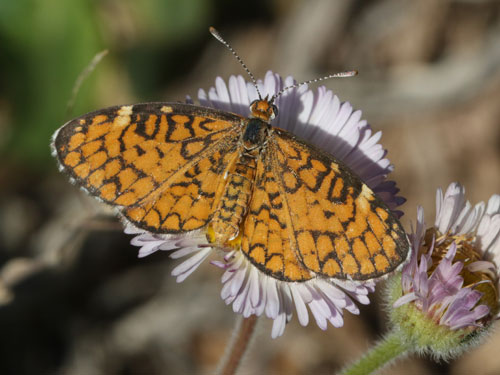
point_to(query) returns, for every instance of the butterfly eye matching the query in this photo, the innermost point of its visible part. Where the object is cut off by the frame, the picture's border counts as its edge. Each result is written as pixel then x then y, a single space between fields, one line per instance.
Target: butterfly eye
pixel 274 110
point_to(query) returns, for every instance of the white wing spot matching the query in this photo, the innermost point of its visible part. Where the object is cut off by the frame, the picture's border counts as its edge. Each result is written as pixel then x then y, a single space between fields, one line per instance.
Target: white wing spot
pixel 126 110
pixel 366 193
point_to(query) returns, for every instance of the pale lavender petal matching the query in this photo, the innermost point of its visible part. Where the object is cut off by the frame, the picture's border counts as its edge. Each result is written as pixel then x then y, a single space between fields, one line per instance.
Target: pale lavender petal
pixel 361 298
pixel 470 319
pixel 481 266
pixel 459 311
pixel 351 307
pixel 183 270
pixel 223 99
pixel 320 303
pixel 183 252
pixel 282 317
pixel 239 302
pixel 272 307
pixel 450 207
pixel 230 273
pixel 286 301
pixel 173 244
pixel 409 297
pixel 332 293
pixel 462 218
pixel 300 306
pixel 493 205
pixel 203 98
pixel 472 221
pixel 225 292
pixel 306 102
pixel 213 98
pixel 279 324
pixel 148 248
pixel 305 292
pixel 460 305
pixel 259 310
pixel 488 233
pixel 318 314
pixel 219 264
pixel 237 280
pixel 336 319
pixel 255 289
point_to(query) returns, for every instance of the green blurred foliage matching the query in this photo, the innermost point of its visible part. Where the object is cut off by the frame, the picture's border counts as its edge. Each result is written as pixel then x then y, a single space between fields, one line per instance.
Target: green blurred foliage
pixel 46 44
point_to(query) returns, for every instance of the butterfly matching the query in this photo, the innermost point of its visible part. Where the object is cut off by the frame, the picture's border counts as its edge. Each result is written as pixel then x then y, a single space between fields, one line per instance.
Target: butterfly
pixel 295 211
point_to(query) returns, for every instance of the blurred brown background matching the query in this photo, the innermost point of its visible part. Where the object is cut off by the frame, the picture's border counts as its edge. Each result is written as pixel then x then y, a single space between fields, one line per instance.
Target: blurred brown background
pixel 74 299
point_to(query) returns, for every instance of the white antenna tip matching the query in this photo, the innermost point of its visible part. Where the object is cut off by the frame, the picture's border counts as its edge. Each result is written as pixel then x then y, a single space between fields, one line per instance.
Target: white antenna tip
pixel 215 33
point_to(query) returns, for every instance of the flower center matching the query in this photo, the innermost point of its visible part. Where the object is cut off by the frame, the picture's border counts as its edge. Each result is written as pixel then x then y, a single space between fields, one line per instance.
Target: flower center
pixel 481 278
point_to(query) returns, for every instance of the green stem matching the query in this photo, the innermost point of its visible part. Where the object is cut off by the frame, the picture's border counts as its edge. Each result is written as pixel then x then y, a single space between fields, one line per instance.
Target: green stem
pixel 384 352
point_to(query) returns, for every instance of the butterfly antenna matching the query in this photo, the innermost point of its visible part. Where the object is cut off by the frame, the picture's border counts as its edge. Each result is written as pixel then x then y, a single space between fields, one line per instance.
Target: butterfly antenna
pixel 350 73
pixel 217 36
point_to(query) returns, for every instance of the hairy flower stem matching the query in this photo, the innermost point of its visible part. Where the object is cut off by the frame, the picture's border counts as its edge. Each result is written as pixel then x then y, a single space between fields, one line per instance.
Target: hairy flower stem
pixel 238 345
pixel 384 352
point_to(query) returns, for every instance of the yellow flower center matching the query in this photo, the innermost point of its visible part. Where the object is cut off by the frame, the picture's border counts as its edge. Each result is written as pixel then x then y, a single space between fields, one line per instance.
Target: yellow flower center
pixel 484 281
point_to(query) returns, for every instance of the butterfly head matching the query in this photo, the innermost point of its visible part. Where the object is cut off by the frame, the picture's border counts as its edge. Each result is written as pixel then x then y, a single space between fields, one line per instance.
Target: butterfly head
pixel 263 109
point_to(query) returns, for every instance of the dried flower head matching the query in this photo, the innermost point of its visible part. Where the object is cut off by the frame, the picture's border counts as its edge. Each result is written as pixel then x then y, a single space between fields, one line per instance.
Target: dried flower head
pixel 447 294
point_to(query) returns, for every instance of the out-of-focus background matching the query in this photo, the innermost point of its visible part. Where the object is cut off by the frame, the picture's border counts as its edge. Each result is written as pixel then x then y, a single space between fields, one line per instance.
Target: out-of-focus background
pixel 74 299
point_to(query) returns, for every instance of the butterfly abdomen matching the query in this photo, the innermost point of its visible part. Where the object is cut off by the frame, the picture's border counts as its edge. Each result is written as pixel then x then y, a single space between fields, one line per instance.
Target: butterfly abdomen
pixel 232 207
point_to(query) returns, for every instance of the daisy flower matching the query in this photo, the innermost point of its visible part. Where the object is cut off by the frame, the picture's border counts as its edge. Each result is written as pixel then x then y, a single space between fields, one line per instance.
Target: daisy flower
pixel 448 293
pixel 324 121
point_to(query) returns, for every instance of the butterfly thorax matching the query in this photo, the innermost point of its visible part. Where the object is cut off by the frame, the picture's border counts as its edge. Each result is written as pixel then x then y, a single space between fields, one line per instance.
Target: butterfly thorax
pixel 256 134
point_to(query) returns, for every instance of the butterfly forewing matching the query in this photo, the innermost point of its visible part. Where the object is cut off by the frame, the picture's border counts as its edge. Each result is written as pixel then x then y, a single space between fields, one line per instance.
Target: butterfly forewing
pixel 161 163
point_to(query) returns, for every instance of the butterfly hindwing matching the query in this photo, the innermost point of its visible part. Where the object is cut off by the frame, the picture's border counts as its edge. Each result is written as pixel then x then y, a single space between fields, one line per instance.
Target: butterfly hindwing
pixel 189 200
pixel 267 236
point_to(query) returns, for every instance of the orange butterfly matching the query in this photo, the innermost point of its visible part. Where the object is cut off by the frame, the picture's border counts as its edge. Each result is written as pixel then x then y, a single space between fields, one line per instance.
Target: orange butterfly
pixel 295 211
